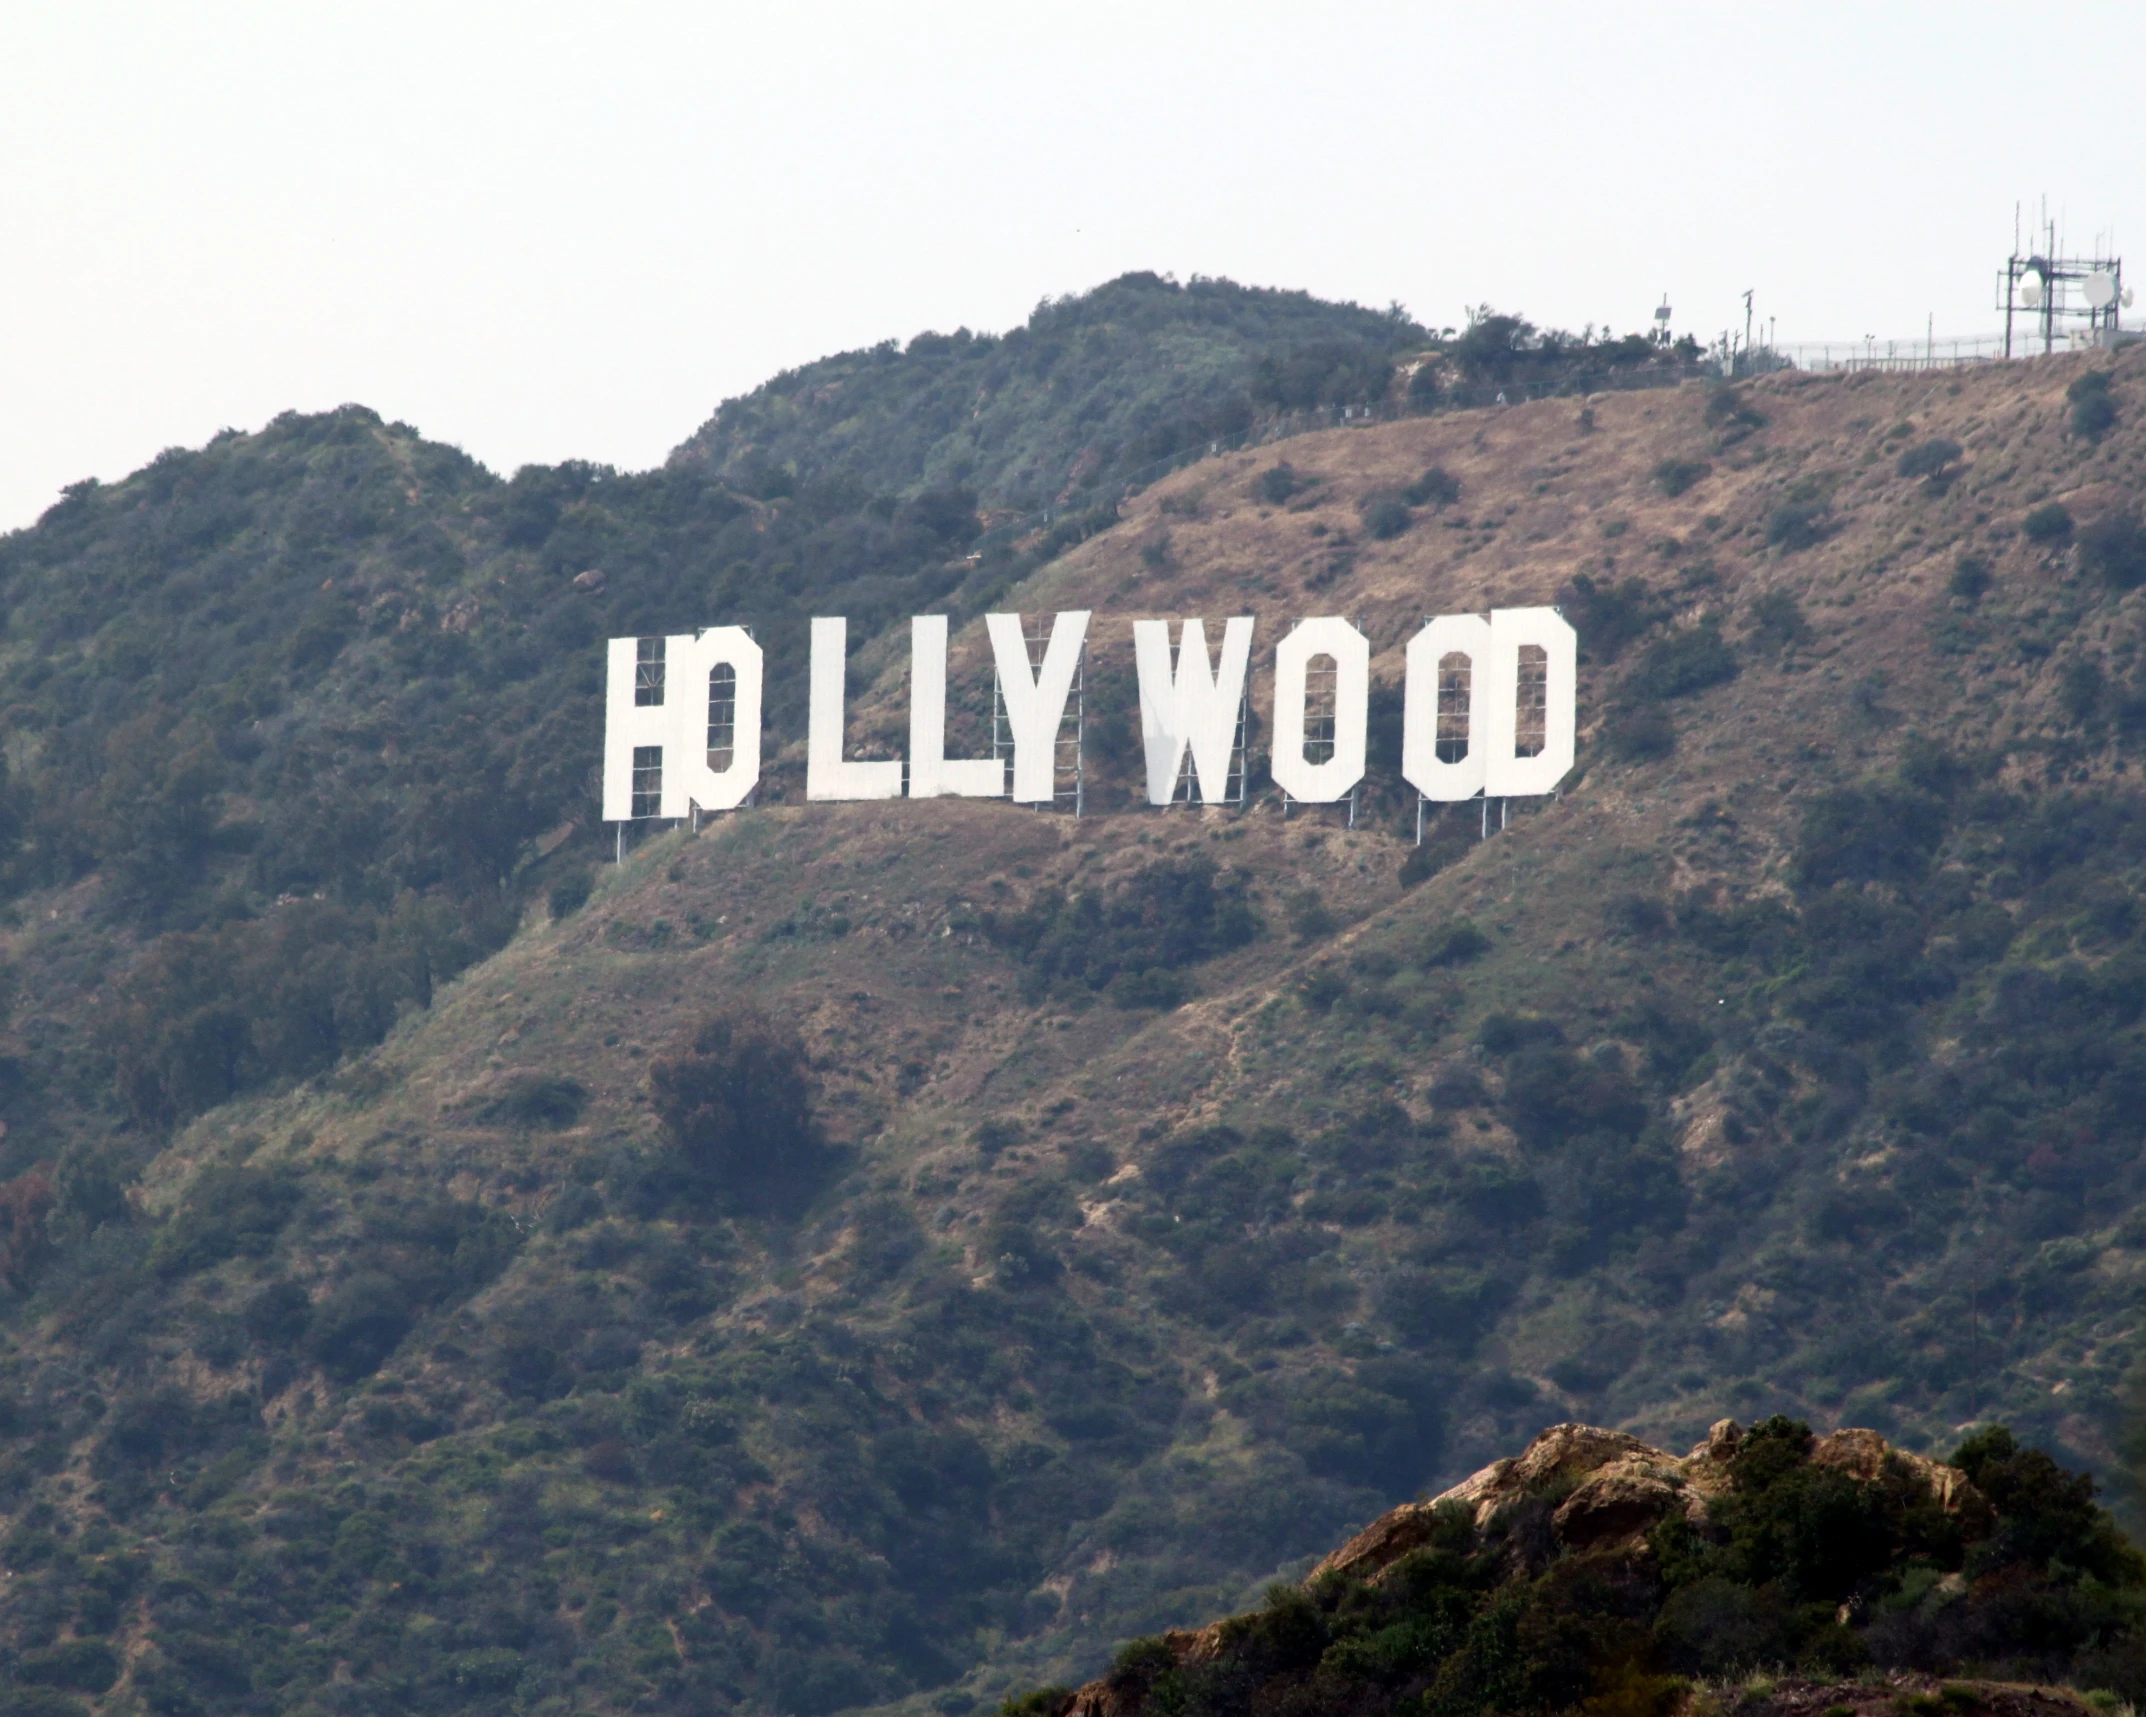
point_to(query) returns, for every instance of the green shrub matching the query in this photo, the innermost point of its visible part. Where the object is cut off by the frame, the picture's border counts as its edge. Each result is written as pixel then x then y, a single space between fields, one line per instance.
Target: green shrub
pixel 570 893
pixel 1321 987
pixel 736 1099
pixel 1675 477
pixel 1970 580
pixel 1637 915
pixel 1685 662
pixel 1385 514
pixel 1730 413
pixel 1418 865
pixel 40 1702
pixel 1868 834
pixel 277 1315
pixel 1437 487
pixel 2079 689
pixel 355 1327
pixel 2046 1516
pixel 1454 944
pixel 1799 523
pixel 1278 482
pixel 1930 459
pixel 1447 1305
pixel 2093 409
pixel 1493 345
pixel 1610 616
pixel 1322 372
pixel 1641 732
pixel 1777 621
pixel 1038 1702
pixel 2115 547
pixel 1504 1033
pixel 86 1665
pixel 1165 917
pixel 1310 917
pixel 226 1213
pixel 532 1100
pixel 2048 522
pixel 1151 988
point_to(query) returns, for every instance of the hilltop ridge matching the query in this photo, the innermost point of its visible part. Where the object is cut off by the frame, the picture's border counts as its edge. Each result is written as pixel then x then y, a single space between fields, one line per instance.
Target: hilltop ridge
pixel 1091 387
pixel 1594 1571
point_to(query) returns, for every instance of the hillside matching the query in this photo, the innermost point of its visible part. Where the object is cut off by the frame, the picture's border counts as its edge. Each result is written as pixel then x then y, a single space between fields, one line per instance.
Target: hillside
pixel 1784 1063
pixel 1593 1572
pixel 1087 389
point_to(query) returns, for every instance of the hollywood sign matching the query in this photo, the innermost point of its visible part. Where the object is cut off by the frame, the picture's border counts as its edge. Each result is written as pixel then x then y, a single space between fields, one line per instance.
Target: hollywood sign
pixel 665 698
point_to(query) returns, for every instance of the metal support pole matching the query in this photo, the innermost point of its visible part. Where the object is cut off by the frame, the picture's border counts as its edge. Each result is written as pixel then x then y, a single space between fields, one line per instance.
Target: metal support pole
pixel 1244 739
pixel 1080 731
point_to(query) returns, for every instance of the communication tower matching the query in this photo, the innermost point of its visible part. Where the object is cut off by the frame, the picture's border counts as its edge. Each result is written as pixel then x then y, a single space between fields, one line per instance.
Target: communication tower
pixel 2042 286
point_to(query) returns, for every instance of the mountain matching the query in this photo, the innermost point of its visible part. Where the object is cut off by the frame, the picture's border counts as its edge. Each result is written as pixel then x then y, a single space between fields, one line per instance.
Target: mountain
pixel 1090 387
pixel 1596 1573
pixel 408 1313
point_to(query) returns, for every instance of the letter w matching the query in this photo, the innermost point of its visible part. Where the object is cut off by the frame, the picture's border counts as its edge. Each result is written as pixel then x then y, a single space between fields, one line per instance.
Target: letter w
pixel 1194 708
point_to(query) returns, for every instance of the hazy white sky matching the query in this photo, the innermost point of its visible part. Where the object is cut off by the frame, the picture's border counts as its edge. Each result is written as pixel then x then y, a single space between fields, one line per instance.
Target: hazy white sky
pixel 546 231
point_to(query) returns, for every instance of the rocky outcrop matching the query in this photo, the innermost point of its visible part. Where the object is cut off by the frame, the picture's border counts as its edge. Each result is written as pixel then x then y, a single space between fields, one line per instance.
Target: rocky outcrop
pixel 1614 1488
pixel 1863 1454
pixel 1619 1488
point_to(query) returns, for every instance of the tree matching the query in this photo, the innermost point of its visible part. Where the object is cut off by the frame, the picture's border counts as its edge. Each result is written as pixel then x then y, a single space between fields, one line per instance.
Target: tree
pixel 736 1099
pixel 1491 347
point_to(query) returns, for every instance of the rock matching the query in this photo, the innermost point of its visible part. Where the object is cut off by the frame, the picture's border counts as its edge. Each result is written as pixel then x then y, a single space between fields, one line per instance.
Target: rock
pixel 1723 1438
pixel 1563 1451
pixel 591 581
pixel 1619 1502
pixel 1863 1454
pixel 1621 1487
pixel 1117 1695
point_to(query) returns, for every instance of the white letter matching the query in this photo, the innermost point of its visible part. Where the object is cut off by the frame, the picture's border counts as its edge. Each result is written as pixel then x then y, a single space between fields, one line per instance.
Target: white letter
pixel 1507 775
pixel 1321 783
pixel 827 776
pixel 1468 636
pixel 1035 698
pixel 1195 707
pixel 639 717
pixel 719 646
pixel 931 771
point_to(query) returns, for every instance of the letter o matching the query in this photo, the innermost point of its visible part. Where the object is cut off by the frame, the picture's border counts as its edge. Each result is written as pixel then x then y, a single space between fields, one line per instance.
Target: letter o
pixel 1321 783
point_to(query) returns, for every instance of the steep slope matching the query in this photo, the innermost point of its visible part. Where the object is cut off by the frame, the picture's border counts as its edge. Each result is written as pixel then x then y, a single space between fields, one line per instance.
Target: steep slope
pixel 309 713
pixel 1783 1062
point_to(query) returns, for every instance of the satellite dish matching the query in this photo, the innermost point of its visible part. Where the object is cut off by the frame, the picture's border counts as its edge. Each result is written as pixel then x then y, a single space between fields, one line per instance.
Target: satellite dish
pixel 2030 291
pixel 2101 290
pixel 2129 295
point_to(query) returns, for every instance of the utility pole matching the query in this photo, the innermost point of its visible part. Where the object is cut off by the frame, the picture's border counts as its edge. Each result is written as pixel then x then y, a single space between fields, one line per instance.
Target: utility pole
pixel 1747 323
